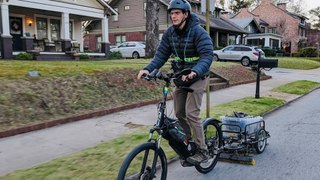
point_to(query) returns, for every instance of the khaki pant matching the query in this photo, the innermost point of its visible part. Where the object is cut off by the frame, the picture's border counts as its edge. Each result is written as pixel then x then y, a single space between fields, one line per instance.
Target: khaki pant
pixel 187 110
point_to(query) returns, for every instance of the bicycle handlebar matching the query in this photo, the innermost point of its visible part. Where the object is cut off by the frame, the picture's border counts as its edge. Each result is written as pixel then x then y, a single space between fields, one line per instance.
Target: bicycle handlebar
pixel 156 74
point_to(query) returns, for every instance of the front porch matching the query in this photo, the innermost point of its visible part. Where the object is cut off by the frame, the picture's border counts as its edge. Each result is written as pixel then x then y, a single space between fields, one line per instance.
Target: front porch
pixel 71 55
pixel 51 28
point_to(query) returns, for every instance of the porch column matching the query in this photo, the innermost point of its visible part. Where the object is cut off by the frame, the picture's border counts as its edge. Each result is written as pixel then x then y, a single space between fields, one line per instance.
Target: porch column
pixel 105 44
pixel 78 33
pixel 267 42
pixel 228 39
pixel 65 32
pixel 6 38
pixel 216 39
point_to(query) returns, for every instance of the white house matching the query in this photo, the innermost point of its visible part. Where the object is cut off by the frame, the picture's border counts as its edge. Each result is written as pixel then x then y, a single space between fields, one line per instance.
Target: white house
pixel 49 25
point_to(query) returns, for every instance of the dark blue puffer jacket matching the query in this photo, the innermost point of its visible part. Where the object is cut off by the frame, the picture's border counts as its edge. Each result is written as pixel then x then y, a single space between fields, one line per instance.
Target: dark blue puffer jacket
pixel 194 41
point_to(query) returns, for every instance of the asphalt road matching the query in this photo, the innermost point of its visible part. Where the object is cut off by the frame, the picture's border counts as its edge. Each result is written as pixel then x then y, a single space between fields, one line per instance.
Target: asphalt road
pixel 292 153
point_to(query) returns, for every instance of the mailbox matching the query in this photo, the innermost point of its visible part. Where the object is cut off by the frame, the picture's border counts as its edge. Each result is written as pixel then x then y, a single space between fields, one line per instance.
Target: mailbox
pixel 268 63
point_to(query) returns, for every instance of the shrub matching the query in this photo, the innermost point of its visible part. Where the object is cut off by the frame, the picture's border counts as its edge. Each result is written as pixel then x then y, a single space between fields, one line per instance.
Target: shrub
pixel 24 56
pixel 308 52
pixel 296 54
pixel 114 55
pixel 269 51
pixel 83 56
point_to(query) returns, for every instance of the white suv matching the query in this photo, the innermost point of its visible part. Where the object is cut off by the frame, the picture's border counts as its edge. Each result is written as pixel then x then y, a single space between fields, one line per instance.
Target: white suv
pixel 247 55
pixel 131 49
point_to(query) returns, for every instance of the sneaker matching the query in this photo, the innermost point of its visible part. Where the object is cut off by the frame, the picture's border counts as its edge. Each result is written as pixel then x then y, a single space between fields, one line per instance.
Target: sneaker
pixel 201 156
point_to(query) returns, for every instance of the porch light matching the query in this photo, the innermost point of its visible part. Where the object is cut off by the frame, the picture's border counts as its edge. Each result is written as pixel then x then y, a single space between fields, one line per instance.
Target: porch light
pixel 30 23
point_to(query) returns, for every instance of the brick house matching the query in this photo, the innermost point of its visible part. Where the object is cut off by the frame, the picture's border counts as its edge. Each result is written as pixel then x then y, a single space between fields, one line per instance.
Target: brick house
pixel 292 27
pixel 130 24
pixel 52 25
pixel 313 36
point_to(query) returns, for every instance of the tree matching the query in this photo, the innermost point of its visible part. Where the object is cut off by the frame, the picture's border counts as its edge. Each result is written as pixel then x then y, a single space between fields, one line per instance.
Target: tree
pixel 315 13
pixel 281 25
pixel 239 4
pixel 152 27
pixel 295 6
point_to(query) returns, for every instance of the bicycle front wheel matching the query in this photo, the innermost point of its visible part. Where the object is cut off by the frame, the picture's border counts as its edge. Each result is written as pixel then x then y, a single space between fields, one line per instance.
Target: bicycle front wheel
pixel 145 162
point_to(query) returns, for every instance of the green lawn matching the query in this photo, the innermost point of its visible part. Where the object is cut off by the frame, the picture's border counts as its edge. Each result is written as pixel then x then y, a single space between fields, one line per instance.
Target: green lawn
pixel 297 63
pixel 18 69
pixel 297 87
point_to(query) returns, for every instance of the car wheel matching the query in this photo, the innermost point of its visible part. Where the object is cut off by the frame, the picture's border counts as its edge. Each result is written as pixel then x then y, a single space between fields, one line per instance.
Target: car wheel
pixel 245 61
pixel 135 55
pixel 215 57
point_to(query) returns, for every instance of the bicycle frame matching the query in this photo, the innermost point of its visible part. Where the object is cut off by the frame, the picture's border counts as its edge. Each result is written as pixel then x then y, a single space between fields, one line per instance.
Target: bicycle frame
pixel 161 114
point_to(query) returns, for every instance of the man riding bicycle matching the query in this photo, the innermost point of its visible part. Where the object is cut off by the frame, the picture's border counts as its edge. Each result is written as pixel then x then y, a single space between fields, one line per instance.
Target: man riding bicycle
pixel 193 48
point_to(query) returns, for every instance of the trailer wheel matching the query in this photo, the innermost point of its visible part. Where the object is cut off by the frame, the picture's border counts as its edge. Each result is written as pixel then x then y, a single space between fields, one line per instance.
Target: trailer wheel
pixel 261 137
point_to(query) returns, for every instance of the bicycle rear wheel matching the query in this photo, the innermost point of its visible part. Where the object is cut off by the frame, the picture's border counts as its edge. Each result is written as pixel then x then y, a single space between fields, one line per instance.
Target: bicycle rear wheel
pixel 212 134
pixel 145 162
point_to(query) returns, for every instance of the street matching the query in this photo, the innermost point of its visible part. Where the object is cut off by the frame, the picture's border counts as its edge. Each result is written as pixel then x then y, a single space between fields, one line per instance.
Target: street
pixel 292 153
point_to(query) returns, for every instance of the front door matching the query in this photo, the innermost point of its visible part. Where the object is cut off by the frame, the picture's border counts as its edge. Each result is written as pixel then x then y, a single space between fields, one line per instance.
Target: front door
pixel 16 33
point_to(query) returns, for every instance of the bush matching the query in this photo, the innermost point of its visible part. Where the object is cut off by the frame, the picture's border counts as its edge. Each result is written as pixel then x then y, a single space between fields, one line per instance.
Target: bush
pixel 24 56
pixel 115 55
pixel 83 56
pixel 296 54
pixel 308 52
pixel 269 51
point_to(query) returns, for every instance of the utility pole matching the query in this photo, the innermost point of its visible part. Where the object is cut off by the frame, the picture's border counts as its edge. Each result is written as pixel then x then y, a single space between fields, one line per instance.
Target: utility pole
pixel 208 79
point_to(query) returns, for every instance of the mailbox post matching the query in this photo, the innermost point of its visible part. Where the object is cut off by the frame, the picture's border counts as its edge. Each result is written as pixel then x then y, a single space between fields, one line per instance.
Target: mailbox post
pixel 263 63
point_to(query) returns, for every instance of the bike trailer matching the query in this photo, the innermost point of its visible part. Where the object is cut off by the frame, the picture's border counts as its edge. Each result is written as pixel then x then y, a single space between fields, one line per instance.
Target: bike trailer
pixel 241 134
pixel 246 124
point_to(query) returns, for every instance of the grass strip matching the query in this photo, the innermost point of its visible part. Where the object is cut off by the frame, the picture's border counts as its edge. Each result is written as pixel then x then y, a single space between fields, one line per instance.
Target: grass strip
pixel 297 87
pixel 298 63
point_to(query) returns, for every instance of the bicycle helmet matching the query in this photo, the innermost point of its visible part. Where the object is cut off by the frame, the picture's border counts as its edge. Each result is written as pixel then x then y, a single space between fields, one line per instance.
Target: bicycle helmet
pixel 179 4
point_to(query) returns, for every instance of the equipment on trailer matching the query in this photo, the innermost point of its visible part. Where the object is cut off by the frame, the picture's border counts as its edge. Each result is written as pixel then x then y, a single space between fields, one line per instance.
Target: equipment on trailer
pixel 242 135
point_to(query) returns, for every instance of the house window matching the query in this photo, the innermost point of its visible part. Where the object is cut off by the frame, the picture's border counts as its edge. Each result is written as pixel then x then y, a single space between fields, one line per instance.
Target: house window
pixel 120 39
pixel 272 30
pixel 71 29
pixel 55 29
pixel 263 29
pixel 98 45
pixel 115 17
pixel 145 9
pixel 302 32
pixel 127 8
pixel 42 27
pixel 302 21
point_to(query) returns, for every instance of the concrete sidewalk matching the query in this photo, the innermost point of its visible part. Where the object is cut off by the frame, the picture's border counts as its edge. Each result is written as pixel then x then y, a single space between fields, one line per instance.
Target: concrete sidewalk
pixel 29 149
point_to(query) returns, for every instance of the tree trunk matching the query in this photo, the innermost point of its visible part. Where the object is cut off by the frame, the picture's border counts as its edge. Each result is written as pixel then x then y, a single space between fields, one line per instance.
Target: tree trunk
pixel 152 27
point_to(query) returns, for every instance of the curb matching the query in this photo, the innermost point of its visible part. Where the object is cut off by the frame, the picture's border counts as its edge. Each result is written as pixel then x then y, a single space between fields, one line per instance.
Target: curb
pixel 289 102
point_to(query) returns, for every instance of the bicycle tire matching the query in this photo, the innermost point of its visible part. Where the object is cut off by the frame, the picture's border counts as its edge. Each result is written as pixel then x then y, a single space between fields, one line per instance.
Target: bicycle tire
pixel 213 138
pixel 261 136
pixel 144 171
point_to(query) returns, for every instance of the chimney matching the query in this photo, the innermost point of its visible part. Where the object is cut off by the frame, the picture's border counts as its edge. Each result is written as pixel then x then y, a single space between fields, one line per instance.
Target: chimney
pixel 282 5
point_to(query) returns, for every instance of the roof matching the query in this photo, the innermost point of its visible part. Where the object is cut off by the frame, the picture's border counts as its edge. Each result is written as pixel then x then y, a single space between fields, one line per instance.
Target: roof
pixel 222 24
pixel 105 4
pixel 242 22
